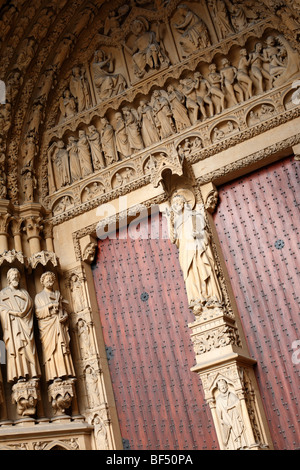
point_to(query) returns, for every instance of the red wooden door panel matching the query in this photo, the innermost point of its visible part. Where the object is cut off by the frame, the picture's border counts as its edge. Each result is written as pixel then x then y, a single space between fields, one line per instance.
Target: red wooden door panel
pixel 144 314
pixel 258 225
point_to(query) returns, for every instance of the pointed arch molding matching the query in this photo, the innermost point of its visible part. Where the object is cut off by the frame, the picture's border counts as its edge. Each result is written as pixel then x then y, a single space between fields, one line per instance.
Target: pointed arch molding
pixel 41 45
pixel 37 68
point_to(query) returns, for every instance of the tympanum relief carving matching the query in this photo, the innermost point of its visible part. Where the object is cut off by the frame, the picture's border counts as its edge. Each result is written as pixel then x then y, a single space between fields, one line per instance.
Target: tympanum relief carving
pixel 182 104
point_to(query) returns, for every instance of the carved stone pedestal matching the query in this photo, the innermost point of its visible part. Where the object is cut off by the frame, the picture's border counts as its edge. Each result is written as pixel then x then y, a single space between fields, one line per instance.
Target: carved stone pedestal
pixel 229 382
pixel 25 395
pixel 61 393
pixel 233 396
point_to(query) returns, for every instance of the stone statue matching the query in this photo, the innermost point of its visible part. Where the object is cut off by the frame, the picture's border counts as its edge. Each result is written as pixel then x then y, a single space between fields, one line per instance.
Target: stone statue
pixel 177 103
pixel 122 142
pixel 17 325
pixel 84 154
pixel 193 31
pixel 133 130
pixel 68 105
pixel 231 86
pixel 216 92
pixel 202 88
pixel 230 417
pixel 29 183
pixel 189 232
pixel 107 84
pixel 148 128
pixel 257 61
pixel 148 51
pixel 95 145
pixel 75 169
pixel 238 15
pixel 54 332
pixel 107 135
pixel 221 19
pixel 243 76
pixel 189 90
pixel 60 158
pixel 162 115
pixel 79 89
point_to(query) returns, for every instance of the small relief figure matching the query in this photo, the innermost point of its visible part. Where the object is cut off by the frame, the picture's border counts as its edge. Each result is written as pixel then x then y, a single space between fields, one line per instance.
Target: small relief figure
pixel 84 154
pixel 100 433
pixel 95 145
pixel 79 89
pixel 60 158
pixel 133 130
pixel 188 230
pixel 242 76
pixel 228 76
pixel 54 331
pixel 238 15
pixel 194 35
pixel 162 115
pixel 229 412
pixel 67 105
pixel 17 325
pixel 148 50
pixel 92 387
pixel 220 17
pixel 27 53
pixel 75 169
pixel 107 83
pixel 257 61
pixel 94 190
pixel 63 205
pixel 113 20
pixel 148 128
pixel 215 81
pixel 108 142
pixel 122 142
pixel 275 55
pixel 218 134
pixel 3 181
pixel 84 339
pixel 78 297
pixel 189 86
pixel 177 102
pixel 202 87
pixel 29 183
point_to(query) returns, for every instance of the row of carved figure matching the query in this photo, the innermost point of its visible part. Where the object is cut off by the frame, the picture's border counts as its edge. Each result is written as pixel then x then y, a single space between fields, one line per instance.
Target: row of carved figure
pixel 148 51
pixel 193 99
pixel 16 313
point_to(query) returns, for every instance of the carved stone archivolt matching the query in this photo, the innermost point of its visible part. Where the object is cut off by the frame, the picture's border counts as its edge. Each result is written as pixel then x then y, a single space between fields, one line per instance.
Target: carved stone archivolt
pixel 101 100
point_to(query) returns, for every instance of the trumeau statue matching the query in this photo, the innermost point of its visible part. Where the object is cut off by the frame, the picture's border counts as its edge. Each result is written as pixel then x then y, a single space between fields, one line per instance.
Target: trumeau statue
pixel 188 231
pixel 54 332
pixel 17 325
